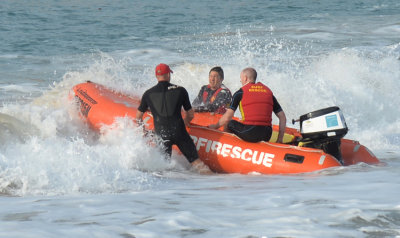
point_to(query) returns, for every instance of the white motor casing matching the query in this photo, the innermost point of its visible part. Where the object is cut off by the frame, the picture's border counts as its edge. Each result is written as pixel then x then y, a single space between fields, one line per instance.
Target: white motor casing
pixel 324 123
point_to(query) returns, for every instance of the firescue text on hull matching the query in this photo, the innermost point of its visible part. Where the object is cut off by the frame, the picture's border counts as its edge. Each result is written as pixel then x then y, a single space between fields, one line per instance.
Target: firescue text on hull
pixel 235 152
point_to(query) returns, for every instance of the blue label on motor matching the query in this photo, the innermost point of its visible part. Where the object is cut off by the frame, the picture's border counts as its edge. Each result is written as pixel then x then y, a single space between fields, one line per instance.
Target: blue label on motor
pixel 331 121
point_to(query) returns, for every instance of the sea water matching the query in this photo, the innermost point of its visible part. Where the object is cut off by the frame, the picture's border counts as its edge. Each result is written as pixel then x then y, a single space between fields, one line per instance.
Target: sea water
pixel 58 178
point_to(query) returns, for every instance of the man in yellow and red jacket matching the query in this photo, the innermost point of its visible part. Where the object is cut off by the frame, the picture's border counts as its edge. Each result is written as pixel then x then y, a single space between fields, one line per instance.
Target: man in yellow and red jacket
pixel 256 103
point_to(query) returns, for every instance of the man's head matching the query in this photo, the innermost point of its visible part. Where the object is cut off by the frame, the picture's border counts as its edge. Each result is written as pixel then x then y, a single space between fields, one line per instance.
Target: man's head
pixel 215 77
pixel 248 75
pixel 163 72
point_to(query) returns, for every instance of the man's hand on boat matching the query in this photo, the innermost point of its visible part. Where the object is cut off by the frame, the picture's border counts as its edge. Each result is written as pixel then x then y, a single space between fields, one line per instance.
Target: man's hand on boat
pixel 214 126
pixel 223 121
pixel 188 117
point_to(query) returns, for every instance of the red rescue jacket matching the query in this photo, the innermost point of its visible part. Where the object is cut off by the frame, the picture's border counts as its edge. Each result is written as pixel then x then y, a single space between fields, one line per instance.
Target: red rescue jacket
pixel 257 104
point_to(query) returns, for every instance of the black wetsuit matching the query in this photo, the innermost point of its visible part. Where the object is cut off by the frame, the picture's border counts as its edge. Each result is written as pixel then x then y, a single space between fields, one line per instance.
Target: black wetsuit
pixel 165 101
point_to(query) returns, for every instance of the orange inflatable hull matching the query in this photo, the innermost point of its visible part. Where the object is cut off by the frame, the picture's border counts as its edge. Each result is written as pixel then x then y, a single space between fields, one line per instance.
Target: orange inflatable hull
pixel 222 152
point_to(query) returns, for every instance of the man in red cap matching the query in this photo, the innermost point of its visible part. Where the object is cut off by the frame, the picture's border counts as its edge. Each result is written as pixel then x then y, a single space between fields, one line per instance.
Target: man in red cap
pixel 165 101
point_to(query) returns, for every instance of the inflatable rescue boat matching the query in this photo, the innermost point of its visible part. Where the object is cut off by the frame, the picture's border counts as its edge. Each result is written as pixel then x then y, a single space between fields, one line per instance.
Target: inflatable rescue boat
pixel 318 145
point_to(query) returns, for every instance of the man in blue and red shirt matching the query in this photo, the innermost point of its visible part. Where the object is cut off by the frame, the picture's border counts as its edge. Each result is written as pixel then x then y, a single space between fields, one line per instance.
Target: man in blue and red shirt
pixel 256 103
pixel 214 97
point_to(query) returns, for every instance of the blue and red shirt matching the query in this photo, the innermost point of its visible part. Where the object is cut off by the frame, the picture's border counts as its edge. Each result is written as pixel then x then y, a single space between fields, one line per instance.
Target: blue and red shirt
pixel 212 100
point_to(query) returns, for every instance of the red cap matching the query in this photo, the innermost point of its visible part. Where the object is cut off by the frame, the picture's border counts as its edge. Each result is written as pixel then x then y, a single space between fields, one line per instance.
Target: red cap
pixel 162 69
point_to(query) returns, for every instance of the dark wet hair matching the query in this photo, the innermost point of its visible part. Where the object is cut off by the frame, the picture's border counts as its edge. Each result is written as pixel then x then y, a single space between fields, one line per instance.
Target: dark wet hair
pixel 219 70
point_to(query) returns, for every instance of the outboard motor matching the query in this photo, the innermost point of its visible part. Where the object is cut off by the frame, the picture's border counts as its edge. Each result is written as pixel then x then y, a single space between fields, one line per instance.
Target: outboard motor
pixel 323 129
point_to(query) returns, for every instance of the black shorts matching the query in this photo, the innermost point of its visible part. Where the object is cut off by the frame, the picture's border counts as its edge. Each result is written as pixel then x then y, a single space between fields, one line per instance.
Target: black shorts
pixel 250 133
pixel 184 142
